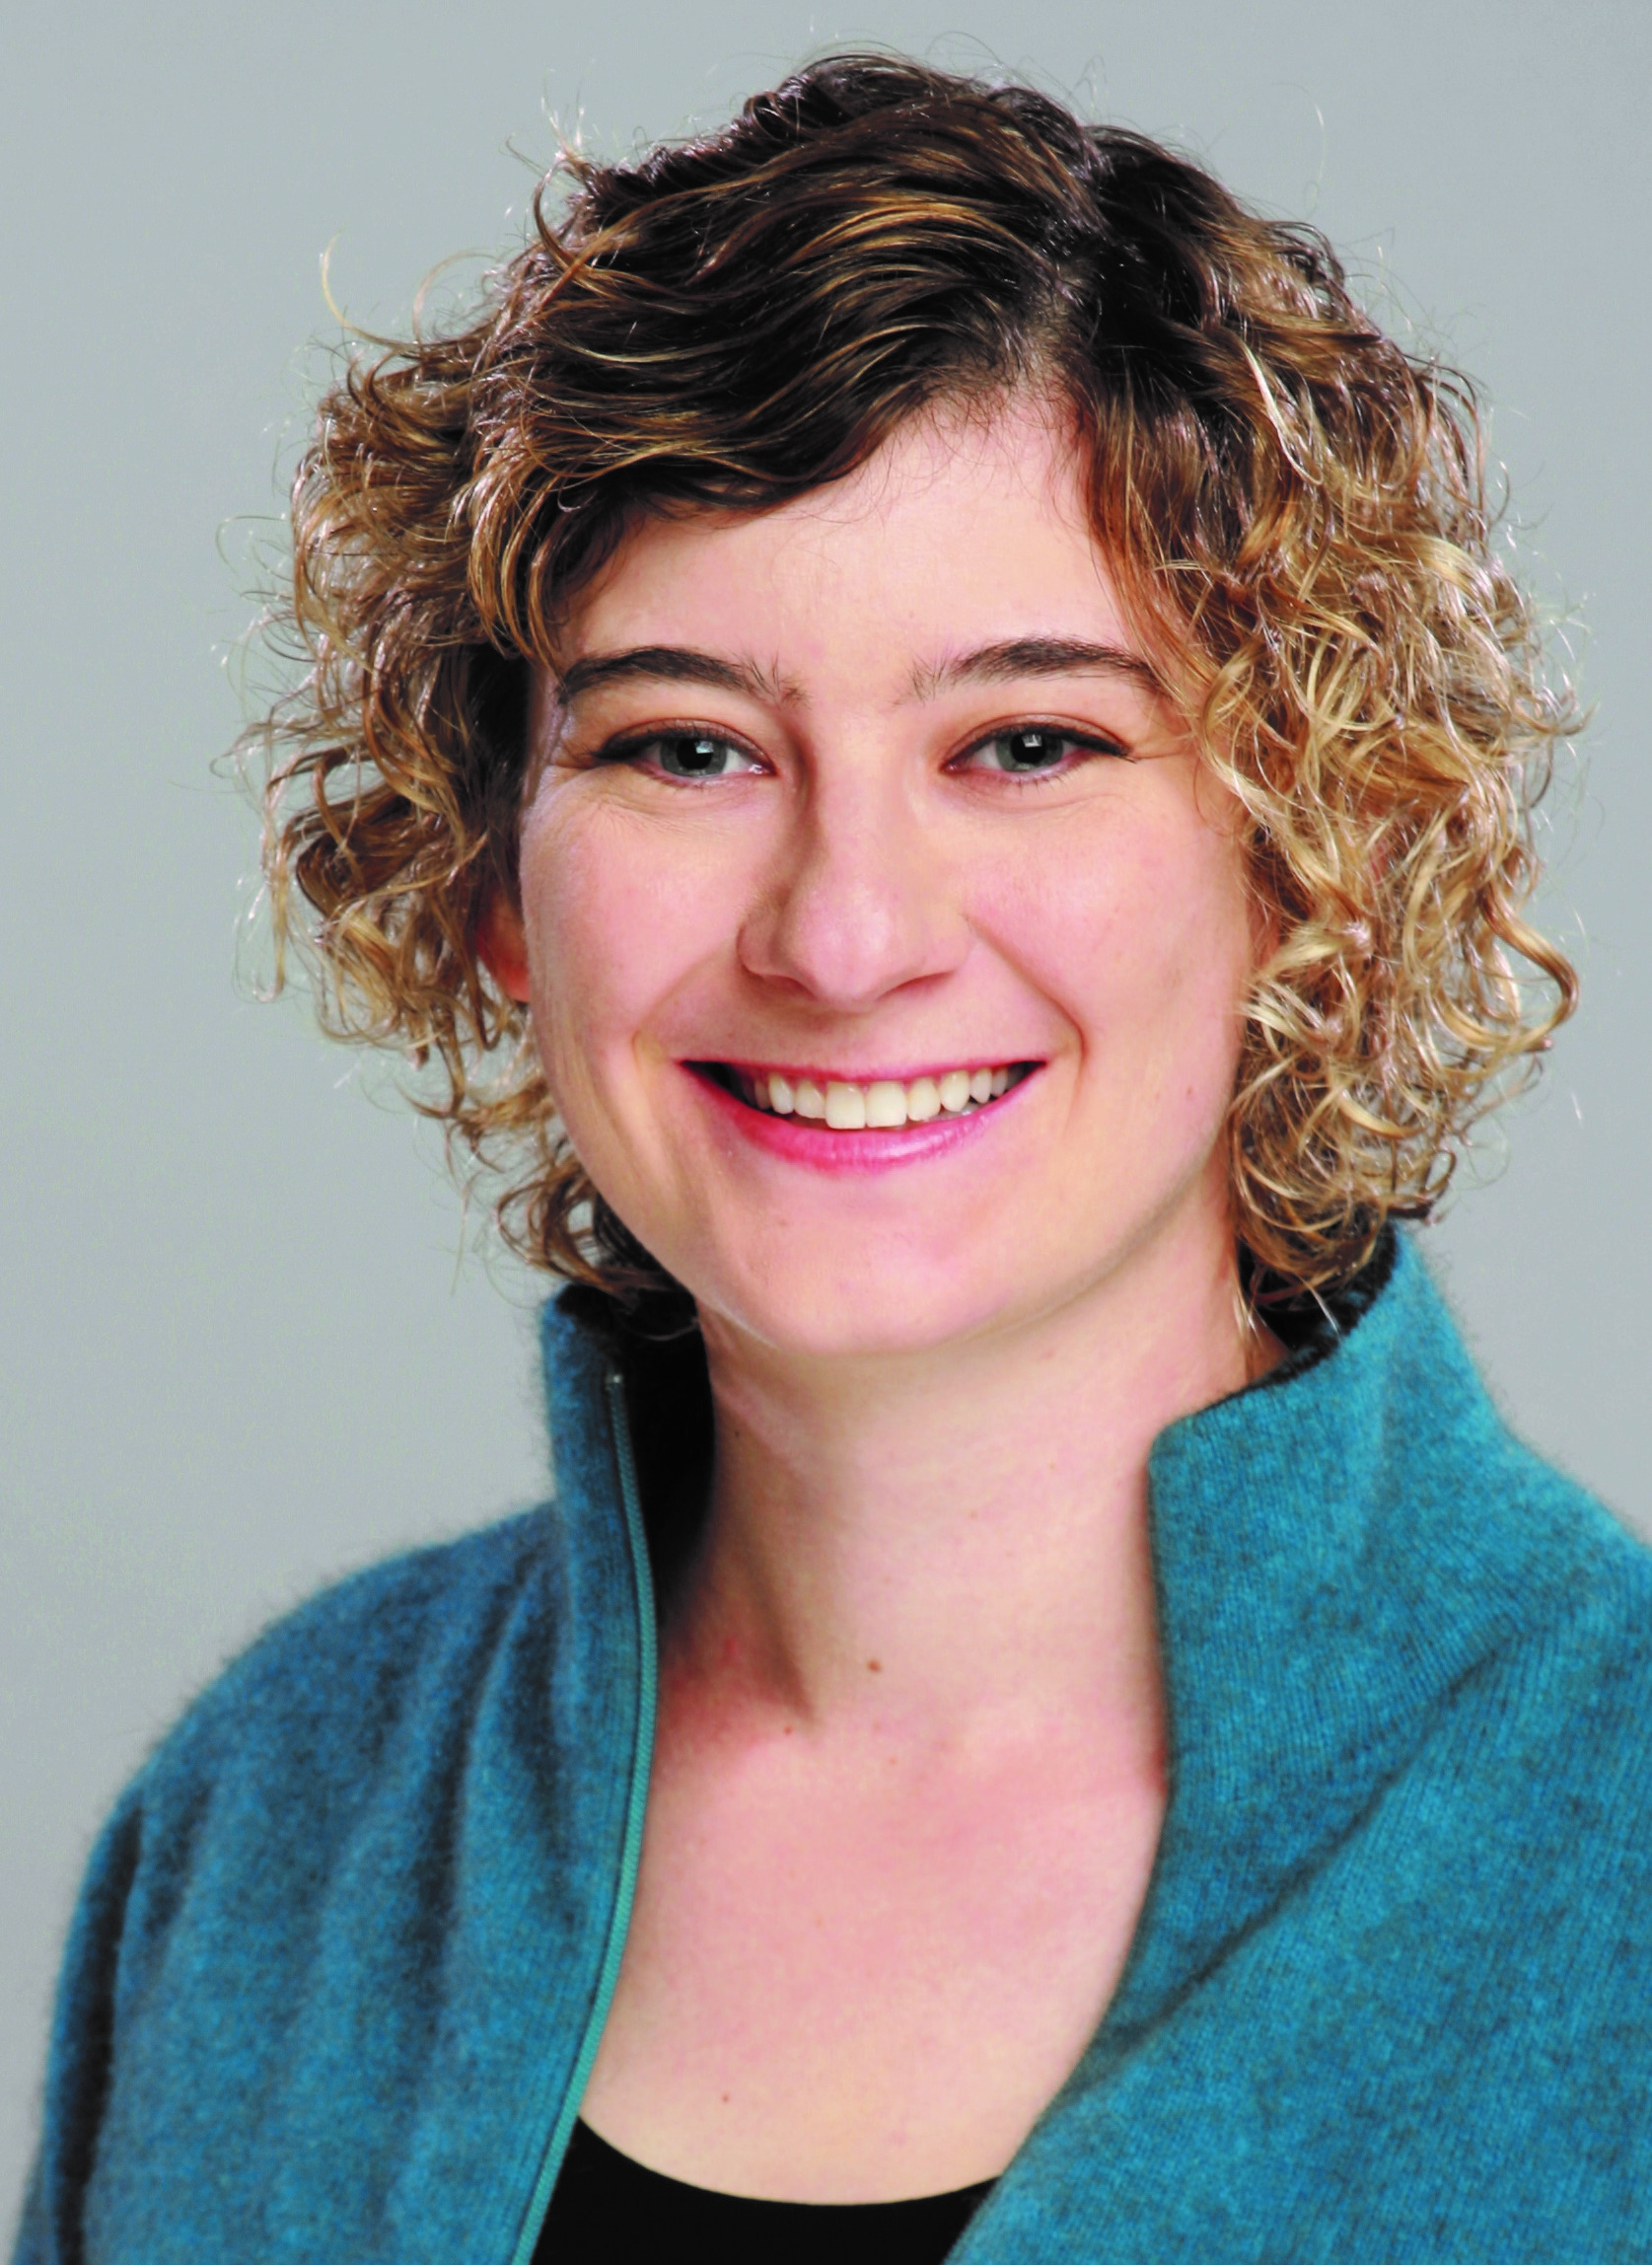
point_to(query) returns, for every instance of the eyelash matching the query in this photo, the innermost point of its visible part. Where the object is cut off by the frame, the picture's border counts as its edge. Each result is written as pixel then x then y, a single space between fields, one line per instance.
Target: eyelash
pixel 1080 742
pixel 629 748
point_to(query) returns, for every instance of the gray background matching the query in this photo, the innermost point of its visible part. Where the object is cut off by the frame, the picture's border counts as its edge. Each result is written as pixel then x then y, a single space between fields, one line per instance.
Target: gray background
pixel 243 1344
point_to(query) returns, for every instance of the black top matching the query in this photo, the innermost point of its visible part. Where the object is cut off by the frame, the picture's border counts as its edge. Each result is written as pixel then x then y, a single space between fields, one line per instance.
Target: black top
pixel 607 2210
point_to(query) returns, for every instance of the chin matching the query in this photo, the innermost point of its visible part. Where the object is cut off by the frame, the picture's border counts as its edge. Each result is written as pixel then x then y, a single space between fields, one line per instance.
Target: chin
pixel 870 1312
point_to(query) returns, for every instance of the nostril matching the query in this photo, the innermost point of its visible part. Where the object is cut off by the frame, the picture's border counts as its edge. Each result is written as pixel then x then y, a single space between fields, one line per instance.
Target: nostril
pixel 858 903
pixel 849 947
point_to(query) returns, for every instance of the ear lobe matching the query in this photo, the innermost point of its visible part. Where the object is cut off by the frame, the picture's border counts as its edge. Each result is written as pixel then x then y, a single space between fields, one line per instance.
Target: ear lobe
pixel 502 945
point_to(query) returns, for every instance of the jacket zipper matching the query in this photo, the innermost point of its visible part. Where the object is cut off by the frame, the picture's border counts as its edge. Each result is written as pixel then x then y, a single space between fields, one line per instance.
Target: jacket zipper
pixel 636 1799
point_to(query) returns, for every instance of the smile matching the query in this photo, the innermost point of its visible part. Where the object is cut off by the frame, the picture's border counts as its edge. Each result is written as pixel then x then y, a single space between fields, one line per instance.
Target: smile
pixel 875 1105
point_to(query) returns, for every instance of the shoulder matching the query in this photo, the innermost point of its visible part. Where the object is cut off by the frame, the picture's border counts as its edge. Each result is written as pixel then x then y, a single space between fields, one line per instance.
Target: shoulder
pixel 1561 1587
pixel 1577 1673
pixel 1562 1582
pixel 363 1650
pixel 303 1799
pixel 363 1700
pixel 1438 1496
pixel 1549 1701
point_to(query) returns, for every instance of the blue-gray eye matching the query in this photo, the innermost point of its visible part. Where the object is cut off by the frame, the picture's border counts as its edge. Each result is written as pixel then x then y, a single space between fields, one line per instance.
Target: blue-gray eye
pixel 699 754
pixel 1023 752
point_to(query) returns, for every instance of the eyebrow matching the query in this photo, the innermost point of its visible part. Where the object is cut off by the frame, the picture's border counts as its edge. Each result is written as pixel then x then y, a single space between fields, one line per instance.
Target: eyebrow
pixel 987 664
pixel 670 664
pixel 1034 657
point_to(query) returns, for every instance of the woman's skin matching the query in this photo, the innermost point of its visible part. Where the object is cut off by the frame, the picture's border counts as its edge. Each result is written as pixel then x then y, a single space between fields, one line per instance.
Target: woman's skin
pixel 910 1769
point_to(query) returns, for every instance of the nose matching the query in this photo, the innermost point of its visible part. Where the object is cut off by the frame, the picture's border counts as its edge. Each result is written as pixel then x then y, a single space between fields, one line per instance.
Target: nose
pixel 860 898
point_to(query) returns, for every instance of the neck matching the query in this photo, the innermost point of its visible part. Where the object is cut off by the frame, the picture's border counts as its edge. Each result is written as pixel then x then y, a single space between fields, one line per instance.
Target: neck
pixel 956 1541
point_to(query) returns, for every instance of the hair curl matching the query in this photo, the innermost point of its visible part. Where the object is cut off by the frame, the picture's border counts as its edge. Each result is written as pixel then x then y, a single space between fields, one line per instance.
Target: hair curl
pixel 1296 508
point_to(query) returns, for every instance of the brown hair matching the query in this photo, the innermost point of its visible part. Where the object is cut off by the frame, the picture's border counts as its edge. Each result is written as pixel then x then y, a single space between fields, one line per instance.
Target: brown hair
pixel 1293 503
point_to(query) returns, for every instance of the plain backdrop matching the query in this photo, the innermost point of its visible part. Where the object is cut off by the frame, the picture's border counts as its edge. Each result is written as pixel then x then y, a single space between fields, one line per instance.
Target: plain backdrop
pixel 244 1347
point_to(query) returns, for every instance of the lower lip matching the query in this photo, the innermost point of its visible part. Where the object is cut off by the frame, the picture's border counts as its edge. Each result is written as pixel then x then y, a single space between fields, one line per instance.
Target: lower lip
pixel 806 1141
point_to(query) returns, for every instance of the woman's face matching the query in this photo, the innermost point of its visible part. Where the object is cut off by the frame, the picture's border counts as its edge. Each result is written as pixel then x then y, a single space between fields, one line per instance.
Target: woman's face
pixel 851 814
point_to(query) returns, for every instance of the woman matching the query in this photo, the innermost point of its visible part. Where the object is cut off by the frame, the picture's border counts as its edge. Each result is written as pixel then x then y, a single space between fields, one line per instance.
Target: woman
pixel 945 700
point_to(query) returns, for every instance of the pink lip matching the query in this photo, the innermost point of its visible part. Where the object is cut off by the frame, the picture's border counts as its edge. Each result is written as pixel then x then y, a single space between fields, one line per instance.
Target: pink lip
pixel 800 1140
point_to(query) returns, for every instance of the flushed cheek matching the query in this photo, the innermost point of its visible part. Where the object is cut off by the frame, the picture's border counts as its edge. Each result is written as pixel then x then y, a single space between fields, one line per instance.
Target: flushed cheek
pixel 614 936
pixel 1142 942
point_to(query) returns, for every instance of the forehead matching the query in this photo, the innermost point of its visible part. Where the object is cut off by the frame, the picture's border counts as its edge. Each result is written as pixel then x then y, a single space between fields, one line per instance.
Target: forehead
pixel 965 530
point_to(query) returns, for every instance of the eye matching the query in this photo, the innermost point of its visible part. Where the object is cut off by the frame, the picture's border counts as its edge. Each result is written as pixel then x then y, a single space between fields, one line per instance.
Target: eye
pixel 694 755
pixel 1034 751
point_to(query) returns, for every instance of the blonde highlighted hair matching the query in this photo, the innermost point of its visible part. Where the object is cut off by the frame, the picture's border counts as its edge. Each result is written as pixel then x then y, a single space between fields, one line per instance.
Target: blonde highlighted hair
pixel 1296 508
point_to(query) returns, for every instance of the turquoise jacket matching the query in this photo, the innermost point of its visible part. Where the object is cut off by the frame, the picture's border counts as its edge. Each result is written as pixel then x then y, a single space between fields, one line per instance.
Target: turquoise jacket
pixel 346 1946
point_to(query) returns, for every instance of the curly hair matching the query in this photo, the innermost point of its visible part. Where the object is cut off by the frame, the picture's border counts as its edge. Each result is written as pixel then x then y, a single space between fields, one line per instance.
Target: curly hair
pixel 1296 509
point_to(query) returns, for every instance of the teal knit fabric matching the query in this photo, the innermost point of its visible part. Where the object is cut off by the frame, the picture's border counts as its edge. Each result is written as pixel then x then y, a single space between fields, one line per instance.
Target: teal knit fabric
pixel 344 1944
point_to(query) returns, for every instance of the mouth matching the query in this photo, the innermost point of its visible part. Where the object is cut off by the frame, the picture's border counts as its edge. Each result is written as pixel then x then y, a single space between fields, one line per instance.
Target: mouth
pixel 868 1105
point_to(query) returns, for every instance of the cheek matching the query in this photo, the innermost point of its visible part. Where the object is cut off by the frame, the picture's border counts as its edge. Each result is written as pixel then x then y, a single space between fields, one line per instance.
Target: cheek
pixel 617 921
pixel 1138 927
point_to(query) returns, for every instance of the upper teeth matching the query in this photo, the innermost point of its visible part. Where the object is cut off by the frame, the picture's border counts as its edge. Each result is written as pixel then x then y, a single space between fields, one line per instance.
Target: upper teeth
pixel 881 1105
